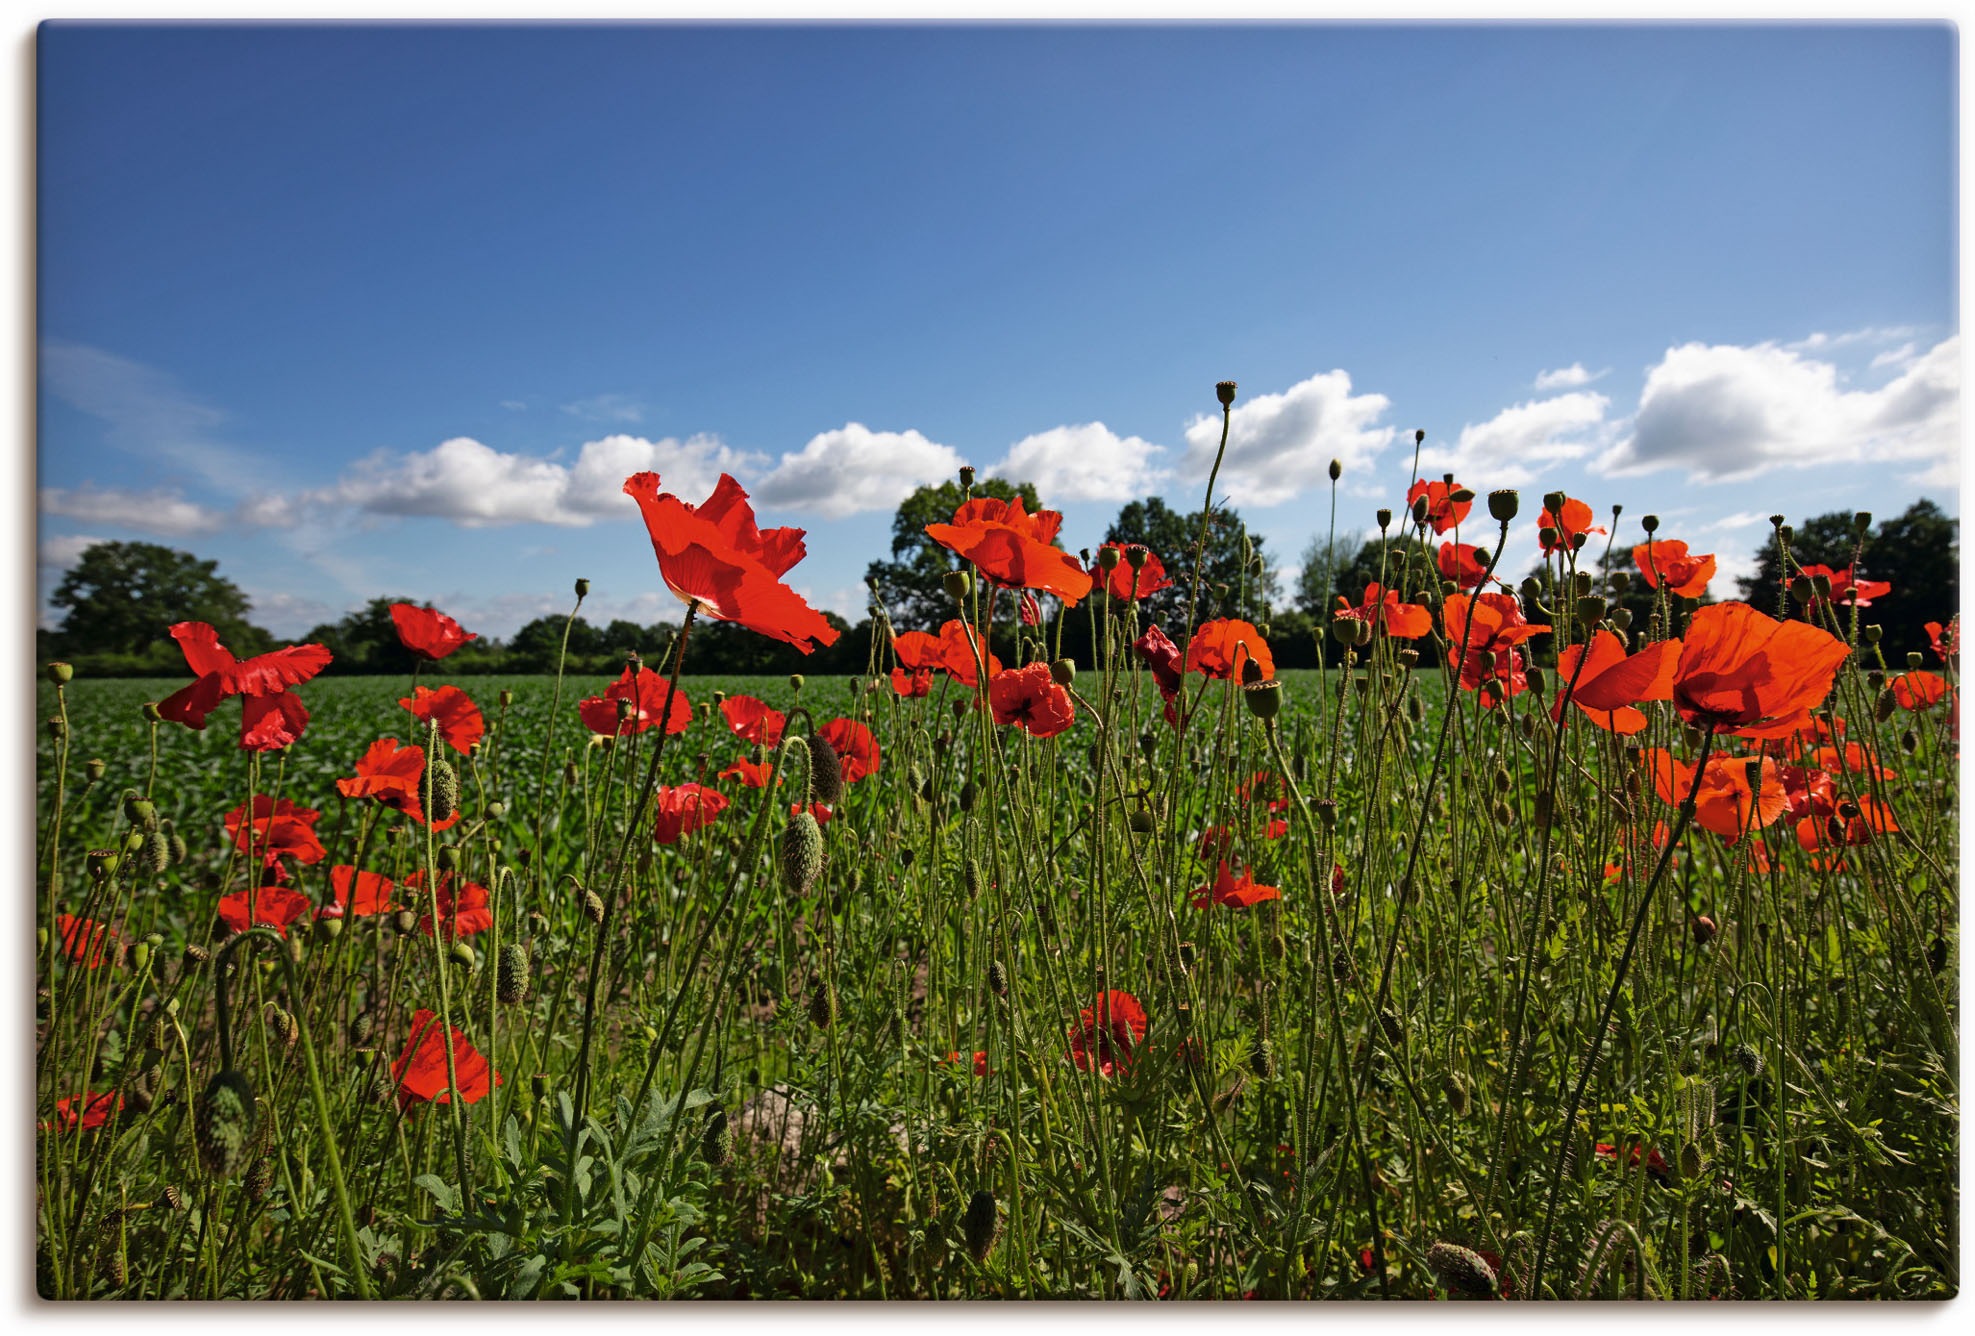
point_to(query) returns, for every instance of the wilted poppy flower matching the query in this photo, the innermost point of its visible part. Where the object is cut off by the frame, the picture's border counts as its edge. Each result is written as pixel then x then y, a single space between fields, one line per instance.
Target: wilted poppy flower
pixel 1381 607
pixel 1161 658
pixel 1222 650
pixel 754 774
pixel 713 555
pixel 1666 561
pixel 855 746
pixel 359 894
pixel 463 907
pixel 279 829
pixel 1610 683
pixel 1235 892
pixel 1012 548
pixel 1574 522
pixel 1846 588
pixel 1028 611
pixel 1107 1035
pixel 1442 510
pixel 420 1070
pixel 1725 802
pixel 959 645
pixel 1463 563
pixel 394 776
pixel 1750 675
pixel 1493 665
pixel 648 692
pixel 1030 697
pixel 751 720
pixel 271 716
pixel 264 907
pixel 1946 639
pixel 1126 583
pixel 459 719
pixel 83 940
pixel 1919 690
pixel 91 1110
pixel 684 809
pixel 428 633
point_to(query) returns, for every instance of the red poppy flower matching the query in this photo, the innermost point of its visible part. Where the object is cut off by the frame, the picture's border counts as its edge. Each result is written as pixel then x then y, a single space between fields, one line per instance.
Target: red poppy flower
pixel 1750 675
pixel 1573 524
pixel 912 685
pixel 279 829
pixel 980 1060
pixel 685 809
pixel 753 721
pixel 1028 611
pixel 1946 639
pixel 1235 892
pixel 428 633
pixel 1847 588
pixel 1850 759
pixel 459 719
pixel 84 941
pixel 1493 665
pixel 1031 697
pixel 713 555
pixel 1463 563
pixel 1442 510
pixel 463 907
pixel 271 716
pixel 1835 830
pixel 91 1110
pixel 1382 608
pixel 1107 1035
pixel 821 811
pixel 264 907
pixel 1919 690
pixel 1807 792
pixel 1161 658
pixel 1012 548
pixel 1610 683
pixel 1215 842
pixel 420 1070
pixel 1665 561
pixel 959 644
pixel 394 776
pixel 1725 803
pixel 1656 1164
pixel 1223 649
pixel 359 894
pixel 648 692
pixel 1127 584
pixel 754 774
pixel 856 748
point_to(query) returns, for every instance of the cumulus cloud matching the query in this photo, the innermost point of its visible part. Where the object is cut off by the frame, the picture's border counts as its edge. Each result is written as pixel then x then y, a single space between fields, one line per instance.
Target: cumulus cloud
pixel 163 511
pixel 58 552
pixel 1725 413
pixel 1087 462
pixel 1280 444
pixel 1567 378
pixel 852 469
pixel 1501 451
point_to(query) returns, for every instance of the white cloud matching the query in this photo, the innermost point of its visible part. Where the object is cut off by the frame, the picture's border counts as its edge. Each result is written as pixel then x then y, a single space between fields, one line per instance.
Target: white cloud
pixel 689 468
pixel 1500 451
pixel 1725 413
pixel 1087 462
pixel 607 408
pixel 1899 356
pixel 1281 444
pixel 58 552
pixel 163 511
pixel 1822 342
pixel 1567 378
pixel 146 411
pixel 852 469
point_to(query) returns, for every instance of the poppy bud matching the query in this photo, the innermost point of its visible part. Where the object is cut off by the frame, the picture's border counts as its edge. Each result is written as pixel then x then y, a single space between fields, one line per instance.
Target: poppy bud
pixel 1461 496
pixel 1419 510
pixel 462 954
pixel 133 841
pixel 1263 699
pixel 1884 706
pixel 822 1004
pixel 825 770
pixel 1462 1269
pixel 969 794
pixel 981 1224
pixel 155 856
pixel 1327 812
pixel 1458 1094
pixel 506 698
pixel 1548 536
pixel 956 584
pixel 59 673
pixel 802 853
pixel 1703 929
pixel 511 974
pixel 1224 391
pixel 1787 532
pixel 1622 618
pixel 1140 821
pixel 223 1119
pixel 1336 470
pixel 966 475
pixel 1415 709
pixel 93 770
pixel 1801 589
pixel 593 906
pixel 1262 1059
pixel 1384 518
pixel 716 1140
pixel 442 785
pixel 1691 1161
pixel 997 978
pixel 569 774
pixel 280 1024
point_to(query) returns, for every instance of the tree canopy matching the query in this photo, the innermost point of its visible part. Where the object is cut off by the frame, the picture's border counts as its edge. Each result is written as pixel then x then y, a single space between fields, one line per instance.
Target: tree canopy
pixel 1917 552
pixel 910 583
pixel 123 598
pixel 1223 590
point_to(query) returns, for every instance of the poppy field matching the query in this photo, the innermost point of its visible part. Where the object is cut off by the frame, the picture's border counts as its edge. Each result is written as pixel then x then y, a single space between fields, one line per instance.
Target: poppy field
pixel 1529 949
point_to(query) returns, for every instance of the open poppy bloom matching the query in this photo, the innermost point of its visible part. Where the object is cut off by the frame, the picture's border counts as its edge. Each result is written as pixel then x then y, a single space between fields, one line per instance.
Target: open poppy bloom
pixel 394 776
pixel 264 907
pixel 279 829
pixel 919 657
pixel 1656 1164
pixel 684 809
pixel 463 907
pixel 647 692
pixel 1725 802
pixel 1667 562
pixel 1752 676
pixel 1573 524
pixel 1852 822
pixel 1235 892
pixel 1846 589
pixel 1919 690
pixel 1493 664
pixel 751 720
pixel 1107 1035
pixel 359 894
pixel 1224 649
pixel 821 811
pixel 1126 583
pixel 420 1070
pixel 1443 512
pixel 855 746
pixel 83 940
pixel 271 716
pixel 753 774
pixel 1610 683
pixel 1030 697
pixel 1382 608
pixel 1463 563
pixel 91 1111
pixel 1012 548
pixel 428 633
pixel 460 721
pixel 959 644
pixel 713 555
pixel 1946 639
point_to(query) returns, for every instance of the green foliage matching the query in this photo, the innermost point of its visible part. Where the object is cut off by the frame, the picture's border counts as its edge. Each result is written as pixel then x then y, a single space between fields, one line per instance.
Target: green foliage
pixel 122 599
pixel 1237 579
pixel 1918 552
pixel 1322 578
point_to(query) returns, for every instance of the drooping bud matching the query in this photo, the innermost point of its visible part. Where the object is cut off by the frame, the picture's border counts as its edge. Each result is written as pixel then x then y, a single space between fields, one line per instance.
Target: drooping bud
pixel 716 1141
pixel 1462 1269
pixel 981 1224
pixel 462 954
pixel 802 853
pixel 997 978
pixel 511 975
pixel 593 906
pixel 223 1122
pixel 1703 929
pixel 825 770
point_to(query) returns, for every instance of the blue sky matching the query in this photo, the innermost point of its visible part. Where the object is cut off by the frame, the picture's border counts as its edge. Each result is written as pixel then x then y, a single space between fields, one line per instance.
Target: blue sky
pixel 364 311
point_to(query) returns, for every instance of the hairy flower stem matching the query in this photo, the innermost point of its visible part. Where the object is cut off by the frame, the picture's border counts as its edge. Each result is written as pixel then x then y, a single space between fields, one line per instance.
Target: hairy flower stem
pixel 548 734
pixel 439 961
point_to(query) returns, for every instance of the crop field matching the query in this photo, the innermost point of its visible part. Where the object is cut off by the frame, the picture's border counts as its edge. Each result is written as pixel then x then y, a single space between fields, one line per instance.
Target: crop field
pixel 1497 961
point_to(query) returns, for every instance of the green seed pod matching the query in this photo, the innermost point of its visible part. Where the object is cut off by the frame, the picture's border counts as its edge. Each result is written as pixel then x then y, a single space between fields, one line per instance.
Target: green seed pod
pixel 981 1225
pixel 511 977
pixel 102 863
pixel 442 783
pixel 329 929
pixel 802 854
pixel 1462 1269
pixel 1263 699
pixel 58 729
pixel 133 841
pixel 825 771
pixel 223 1122
pixel 462 954
pixel 447 858
pixel 956 584
pixel 716 1141
pixel 93 770
pixel 59 673
pixel 155 856
pixel 140 812
pixel 406 920
pixel 1503 504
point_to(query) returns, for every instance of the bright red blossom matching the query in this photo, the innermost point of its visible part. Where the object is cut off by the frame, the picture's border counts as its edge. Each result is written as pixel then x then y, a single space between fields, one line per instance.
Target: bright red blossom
pixel 1846 588
pixel 1012 548
pixel 753 721
pixel 92 1111
pixel 279 829
pixel 1492 627
pixel 648 693
pixel 685 809
pixel 1725 803
pixel 1750 675
pixel 1573 523
pixel 426 632
pixel 1665 561
pixel 1919 690
pixel 460 721
pixel 463 906
pixel 271 716
pixel 753 774
pixel 855 745
pixel 959 643
pixel 1442 510
pixel 1127 584
pixel 1030 697
pixel 1235 892
pixel 264 907
pixel 1107 1036
pixel 1223 650
pixel 1463 563
pixel 83 940
pixel 1946 639
pixel 359 894
pixel 1382 608
pixel 393 775
pixel 1610 683
pixel 420 1070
